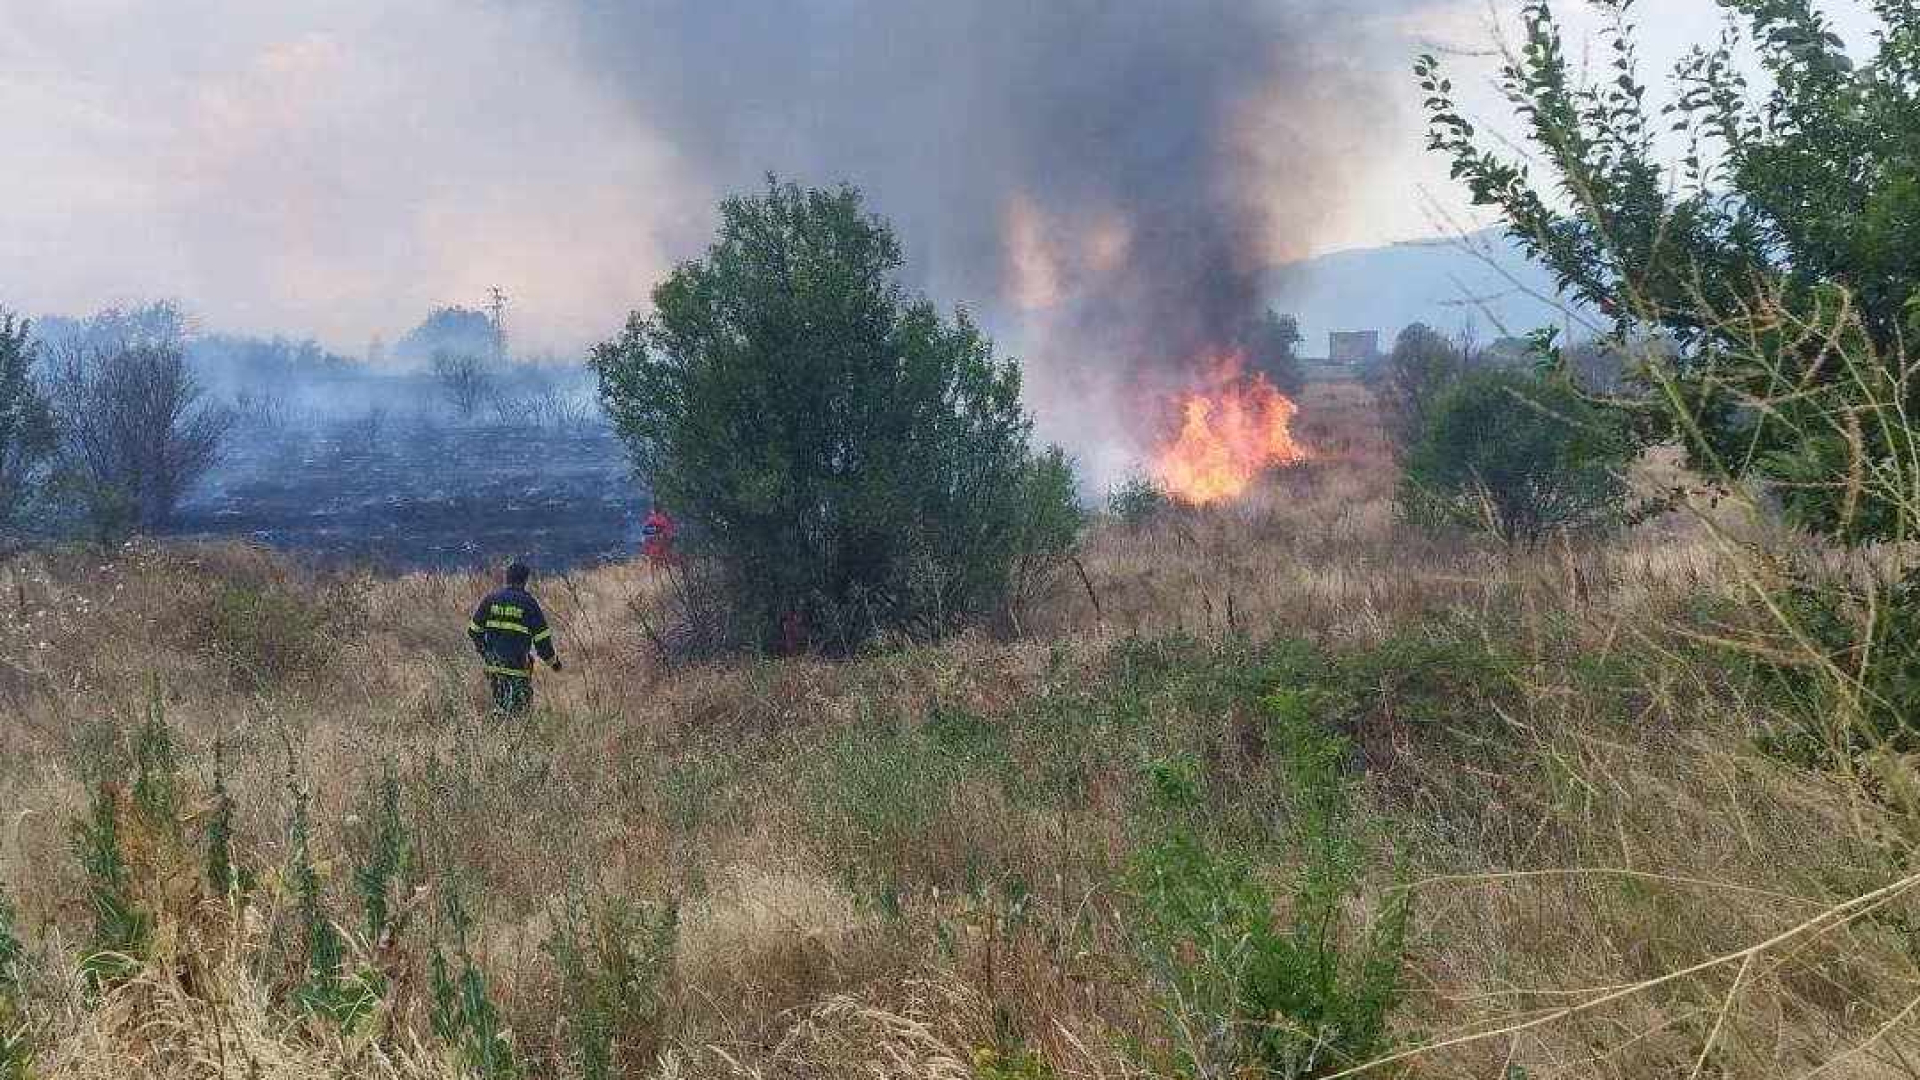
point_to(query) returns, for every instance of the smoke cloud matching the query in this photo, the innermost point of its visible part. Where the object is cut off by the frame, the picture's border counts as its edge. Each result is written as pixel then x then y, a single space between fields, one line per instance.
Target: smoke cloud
pixel 1107 181
pixel 327 167
pixel 1113 182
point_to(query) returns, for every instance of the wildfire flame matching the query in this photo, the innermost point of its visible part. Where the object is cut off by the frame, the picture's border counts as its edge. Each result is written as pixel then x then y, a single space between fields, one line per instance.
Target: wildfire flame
pixel 1234 426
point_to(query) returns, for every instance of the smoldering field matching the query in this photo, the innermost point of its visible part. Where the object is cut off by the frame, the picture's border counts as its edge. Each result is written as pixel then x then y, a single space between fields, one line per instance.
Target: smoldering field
pixel 400 488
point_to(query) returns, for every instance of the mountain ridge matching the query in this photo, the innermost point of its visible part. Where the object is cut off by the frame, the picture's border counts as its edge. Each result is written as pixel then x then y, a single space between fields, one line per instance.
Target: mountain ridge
pixel 1479 283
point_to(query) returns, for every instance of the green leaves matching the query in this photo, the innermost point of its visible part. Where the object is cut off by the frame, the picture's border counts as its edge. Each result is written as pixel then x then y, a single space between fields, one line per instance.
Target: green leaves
pixel 27 437
pixel 1775 263
pixel 16 1051
pixel 1246 991
pixel 614 958
pixel 1805 185
pixel 850 459
pixel 122 927
pixel 1521 457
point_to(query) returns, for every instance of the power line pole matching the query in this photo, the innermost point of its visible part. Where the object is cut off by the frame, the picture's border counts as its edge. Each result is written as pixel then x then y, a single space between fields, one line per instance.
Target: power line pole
pixel 497 310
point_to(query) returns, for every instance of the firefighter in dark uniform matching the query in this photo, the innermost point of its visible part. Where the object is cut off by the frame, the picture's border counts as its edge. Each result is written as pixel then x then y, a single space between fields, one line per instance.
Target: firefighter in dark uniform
pixel 507 629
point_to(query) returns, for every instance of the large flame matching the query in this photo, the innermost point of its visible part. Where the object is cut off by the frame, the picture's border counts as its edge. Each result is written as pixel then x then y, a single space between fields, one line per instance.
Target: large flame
pixel 1233 427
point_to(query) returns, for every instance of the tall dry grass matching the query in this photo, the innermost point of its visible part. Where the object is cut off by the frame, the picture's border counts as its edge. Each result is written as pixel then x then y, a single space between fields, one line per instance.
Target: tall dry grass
pixel 890 866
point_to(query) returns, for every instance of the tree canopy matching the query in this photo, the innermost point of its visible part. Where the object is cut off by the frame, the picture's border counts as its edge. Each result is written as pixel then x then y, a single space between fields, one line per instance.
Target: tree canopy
pixel 1520 457
pixel 27 438
pixel 1774 257
pixel 852 459
pixel 453 330
pixel 1273 349
pixel 1811 182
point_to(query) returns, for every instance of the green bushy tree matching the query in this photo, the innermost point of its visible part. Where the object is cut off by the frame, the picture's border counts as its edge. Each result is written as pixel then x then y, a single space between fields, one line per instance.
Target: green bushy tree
pixel 1774 260
pixel 1273 349
pixel 27 439
pixel 1137 500
pixel 1786 196
pixel 847 456
pixel 1517 455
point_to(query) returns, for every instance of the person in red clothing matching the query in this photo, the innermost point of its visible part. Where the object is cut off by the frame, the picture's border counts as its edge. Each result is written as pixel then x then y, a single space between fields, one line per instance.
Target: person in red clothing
pixel 656 537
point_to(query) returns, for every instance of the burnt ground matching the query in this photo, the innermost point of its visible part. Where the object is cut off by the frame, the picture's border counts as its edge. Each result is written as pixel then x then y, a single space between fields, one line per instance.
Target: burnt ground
pixel 422 495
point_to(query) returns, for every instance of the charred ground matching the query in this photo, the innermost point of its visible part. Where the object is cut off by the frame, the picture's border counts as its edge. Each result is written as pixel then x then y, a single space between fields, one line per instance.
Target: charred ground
pixel 407 493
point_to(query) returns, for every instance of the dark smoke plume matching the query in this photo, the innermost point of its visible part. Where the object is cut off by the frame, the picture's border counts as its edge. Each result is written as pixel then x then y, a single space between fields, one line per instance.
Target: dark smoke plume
pixel 1110 180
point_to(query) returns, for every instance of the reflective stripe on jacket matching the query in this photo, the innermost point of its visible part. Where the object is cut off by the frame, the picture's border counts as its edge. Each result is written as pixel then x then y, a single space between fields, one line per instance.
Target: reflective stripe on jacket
pixel 507 628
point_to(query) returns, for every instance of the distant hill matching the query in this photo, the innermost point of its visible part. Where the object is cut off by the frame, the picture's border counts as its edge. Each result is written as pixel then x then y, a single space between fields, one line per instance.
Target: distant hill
pixel 1480 280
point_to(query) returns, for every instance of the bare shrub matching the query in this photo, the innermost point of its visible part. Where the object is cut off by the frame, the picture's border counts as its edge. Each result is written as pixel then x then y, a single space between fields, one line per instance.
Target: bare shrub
pixel 138 430
pixel 1410 379
pixel 263 413
pixel 464 379
pixel 555 408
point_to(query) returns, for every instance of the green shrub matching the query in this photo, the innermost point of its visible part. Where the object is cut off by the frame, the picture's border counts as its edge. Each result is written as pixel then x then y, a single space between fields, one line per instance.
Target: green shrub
pixel 382 856
pixel 132 843
pixel 1428 679
pixel 123 819
pixel 224 879
pixel 1409 380
pixel 27 436
pixel 460 1009
pixel 156 776
pixel 121 927
pixel 327 989
pixel 1046 525
pixel 1271 344
pixel 851 461
pixel 1137 501
pixel 614 964
pixel 267 632
pixel 1243 989
pixel 1517 456
pixel 16 1050
pixel 1872 638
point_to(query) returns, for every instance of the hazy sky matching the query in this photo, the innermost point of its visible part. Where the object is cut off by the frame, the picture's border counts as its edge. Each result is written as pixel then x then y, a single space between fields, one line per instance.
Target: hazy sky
pixel 335 167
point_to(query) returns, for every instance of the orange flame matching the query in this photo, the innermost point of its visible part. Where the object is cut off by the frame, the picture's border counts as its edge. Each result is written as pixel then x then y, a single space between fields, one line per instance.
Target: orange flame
pixel 1234 427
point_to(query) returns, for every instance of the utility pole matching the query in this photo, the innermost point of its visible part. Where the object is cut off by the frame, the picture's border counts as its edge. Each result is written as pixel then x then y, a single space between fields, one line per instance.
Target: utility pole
pixel 497 311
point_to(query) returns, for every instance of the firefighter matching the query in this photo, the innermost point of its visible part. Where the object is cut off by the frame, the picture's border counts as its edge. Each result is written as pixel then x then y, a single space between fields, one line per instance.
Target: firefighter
pixel 507 629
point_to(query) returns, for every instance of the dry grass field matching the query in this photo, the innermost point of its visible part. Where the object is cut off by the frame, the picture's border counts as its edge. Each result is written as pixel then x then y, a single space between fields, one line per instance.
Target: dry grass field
pixel 990 858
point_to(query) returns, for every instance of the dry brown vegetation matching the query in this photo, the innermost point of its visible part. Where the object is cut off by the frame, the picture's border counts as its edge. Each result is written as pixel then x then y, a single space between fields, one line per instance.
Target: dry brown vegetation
pixel 920 863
